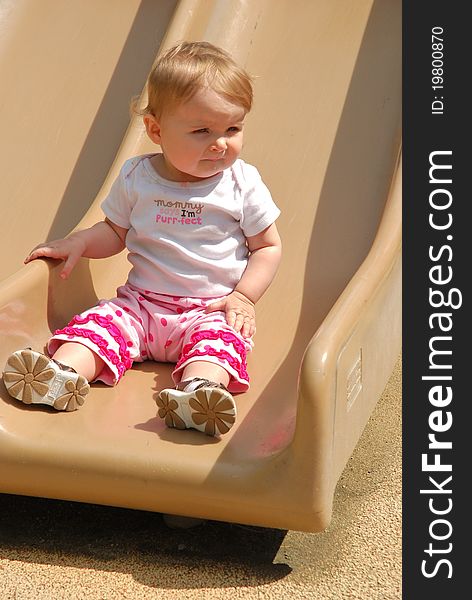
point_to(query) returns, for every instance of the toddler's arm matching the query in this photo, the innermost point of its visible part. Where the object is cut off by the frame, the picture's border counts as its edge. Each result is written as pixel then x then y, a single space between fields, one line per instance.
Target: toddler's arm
pixel 265 253
pixel 99 241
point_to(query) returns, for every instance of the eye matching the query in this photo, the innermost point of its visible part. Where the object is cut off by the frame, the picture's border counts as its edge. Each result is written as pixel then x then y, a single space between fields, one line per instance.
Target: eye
pixel 202 130
pixel 234 129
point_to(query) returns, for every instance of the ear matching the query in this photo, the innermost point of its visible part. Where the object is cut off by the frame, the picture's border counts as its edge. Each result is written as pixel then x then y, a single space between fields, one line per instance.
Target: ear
pixel 153 129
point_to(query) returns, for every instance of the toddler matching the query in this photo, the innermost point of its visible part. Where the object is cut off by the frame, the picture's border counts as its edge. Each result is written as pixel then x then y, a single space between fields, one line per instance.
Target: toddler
pixel 199 227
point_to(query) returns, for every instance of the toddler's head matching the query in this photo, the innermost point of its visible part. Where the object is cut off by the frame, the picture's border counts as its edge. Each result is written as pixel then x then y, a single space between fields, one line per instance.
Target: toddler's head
pixel 198 98
pixel 190 66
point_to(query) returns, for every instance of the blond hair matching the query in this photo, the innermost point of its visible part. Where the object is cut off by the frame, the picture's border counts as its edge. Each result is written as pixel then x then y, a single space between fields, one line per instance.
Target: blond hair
pixel 190 66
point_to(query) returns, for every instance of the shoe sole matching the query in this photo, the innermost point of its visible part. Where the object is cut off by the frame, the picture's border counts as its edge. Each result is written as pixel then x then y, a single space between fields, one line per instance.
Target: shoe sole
pixel 210 410
pixel 33 378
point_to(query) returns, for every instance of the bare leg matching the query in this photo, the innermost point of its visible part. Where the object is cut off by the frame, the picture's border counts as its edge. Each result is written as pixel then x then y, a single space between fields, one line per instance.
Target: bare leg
pixel 81 358
pixel 206 370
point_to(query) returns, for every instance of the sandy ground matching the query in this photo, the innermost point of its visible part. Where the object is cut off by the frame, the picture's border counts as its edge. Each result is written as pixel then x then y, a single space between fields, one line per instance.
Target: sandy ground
pixel 52 550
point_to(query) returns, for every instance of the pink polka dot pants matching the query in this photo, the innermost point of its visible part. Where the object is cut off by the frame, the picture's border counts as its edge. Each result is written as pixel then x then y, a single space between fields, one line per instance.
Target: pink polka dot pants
pixel 140 325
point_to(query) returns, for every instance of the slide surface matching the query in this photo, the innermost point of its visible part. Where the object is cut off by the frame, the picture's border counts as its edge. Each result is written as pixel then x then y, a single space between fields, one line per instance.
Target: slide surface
pixel 325 134
pixel 67 73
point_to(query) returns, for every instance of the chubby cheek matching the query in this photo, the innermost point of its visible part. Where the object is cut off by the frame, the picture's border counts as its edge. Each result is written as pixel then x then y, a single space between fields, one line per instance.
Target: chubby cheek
pixel 236 145
pixel 187 157
pixel 193 152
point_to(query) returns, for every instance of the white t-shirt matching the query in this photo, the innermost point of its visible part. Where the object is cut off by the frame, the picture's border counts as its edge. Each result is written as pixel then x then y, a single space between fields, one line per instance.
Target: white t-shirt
pixel 188 239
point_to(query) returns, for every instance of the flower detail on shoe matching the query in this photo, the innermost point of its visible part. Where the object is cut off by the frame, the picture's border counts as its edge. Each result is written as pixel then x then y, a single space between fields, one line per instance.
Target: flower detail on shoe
pixel 74 396
pixel 167 407
pixel 28 376
pixel 209 407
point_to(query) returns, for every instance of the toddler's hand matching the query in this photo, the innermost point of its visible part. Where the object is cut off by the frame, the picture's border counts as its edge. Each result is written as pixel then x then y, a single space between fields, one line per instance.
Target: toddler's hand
pixel 239 311
pixel 69 250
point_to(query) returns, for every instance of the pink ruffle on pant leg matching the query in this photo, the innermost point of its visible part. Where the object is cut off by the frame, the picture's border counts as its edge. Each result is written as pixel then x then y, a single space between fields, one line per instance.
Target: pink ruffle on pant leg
pixel 141 325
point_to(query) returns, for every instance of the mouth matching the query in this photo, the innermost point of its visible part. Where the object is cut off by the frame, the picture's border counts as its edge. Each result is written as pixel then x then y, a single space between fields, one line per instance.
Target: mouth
pixel 214 158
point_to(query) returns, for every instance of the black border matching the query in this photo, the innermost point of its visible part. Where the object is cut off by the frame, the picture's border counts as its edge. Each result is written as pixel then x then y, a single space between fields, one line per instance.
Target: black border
pixel 424 133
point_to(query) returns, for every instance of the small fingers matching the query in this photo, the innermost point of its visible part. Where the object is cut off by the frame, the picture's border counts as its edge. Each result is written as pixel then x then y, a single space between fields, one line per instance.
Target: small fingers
pixel 40 252
pixel 218 305
pixel 69 265
pixel 241 322
pixel 44 251
pixel 249 328
pixel 239 315
pixel 231 318
pixel 61 251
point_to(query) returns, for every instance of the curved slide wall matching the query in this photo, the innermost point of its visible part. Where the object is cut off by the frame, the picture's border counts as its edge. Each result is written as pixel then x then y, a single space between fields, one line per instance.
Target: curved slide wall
pixel 67 72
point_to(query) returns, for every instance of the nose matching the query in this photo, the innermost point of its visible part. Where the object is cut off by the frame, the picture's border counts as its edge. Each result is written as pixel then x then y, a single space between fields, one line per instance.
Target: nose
pixel 219 145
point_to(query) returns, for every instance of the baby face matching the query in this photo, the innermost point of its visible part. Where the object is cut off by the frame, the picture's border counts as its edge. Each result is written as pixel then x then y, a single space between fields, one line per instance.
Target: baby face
pixel 200 138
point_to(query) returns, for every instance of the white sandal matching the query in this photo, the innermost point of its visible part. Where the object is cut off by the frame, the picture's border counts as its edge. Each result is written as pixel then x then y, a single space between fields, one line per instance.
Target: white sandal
pixel 34 378
pixel 198 404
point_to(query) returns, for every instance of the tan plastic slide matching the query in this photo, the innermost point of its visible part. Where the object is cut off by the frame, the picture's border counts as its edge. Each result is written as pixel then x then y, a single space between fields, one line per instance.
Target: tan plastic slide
pixel 325 134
